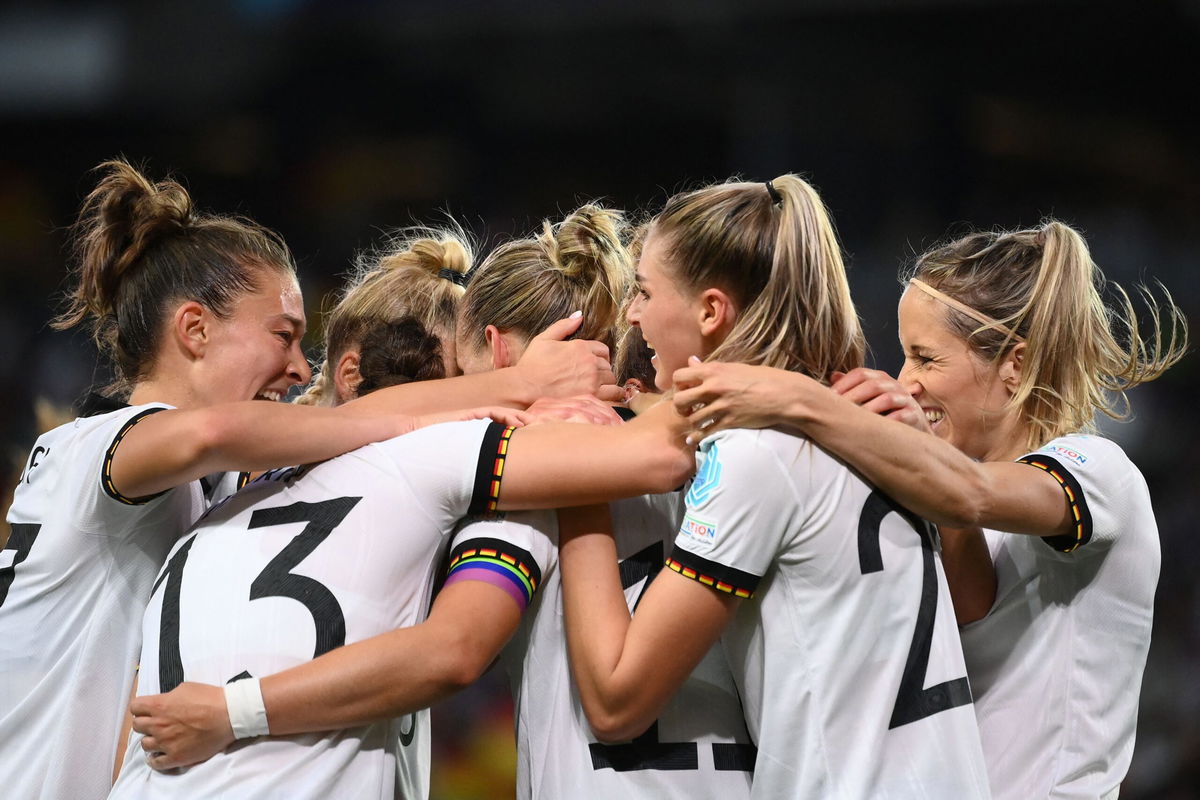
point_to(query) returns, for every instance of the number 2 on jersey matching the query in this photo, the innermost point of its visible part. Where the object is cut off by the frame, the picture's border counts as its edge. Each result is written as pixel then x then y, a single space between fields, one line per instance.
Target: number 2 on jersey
pixel 276 580
pixel 913 701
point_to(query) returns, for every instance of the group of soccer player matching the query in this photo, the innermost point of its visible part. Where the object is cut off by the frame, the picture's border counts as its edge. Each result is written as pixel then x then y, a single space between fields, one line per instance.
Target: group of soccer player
pixel 489 464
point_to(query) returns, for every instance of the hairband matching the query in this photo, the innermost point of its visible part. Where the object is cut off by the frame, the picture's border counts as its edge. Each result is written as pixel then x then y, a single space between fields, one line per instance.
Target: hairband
pixel 776 197
pixel 454 276
pixel 973 313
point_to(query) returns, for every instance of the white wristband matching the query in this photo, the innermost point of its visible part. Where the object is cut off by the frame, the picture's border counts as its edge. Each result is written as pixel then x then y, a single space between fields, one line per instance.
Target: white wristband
pixel 247 713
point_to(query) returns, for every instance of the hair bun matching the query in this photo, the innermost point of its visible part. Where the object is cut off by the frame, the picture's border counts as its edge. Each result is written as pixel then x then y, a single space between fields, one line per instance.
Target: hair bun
pixel 587 241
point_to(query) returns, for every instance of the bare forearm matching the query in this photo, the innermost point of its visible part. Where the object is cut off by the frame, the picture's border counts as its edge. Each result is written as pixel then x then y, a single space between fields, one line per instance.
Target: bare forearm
pixel 596 619
pixel 564 464
pixel 970 572
pixel 365 682
pixel 503 387
pixel 921 472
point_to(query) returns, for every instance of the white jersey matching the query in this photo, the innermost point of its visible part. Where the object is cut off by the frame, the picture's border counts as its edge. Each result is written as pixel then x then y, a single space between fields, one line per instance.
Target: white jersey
pixel 845 646
pixel 1057 663
pixel 74 578
pixel 699 747
pixel 300 562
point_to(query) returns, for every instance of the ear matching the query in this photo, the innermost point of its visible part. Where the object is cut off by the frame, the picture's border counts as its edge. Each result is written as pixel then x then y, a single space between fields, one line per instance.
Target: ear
pixel 346 377
pixel 1010 367
pixel 498 346
pixel 717 313
pixel 190 328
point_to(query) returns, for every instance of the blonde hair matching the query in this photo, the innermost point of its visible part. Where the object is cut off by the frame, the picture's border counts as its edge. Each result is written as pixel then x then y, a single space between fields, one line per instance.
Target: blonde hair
pixel 141 246
pixel 782 265
pixel 1041 284
pixel 418 276
pixel 579 264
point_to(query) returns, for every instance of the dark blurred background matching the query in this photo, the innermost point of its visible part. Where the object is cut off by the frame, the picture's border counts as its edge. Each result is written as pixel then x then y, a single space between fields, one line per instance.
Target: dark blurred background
pixel 334 122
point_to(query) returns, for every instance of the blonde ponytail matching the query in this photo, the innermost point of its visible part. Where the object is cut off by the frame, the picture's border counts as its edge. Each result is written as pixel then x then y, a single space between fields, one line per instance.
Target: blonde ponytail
pixel 774 248
pixel 580 264
pixel 1081 355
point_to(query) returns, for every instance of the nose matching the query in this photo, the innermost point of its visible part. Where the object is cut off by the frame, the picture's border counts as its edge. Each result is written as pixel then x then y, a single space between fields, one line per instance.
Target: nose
pixel 633 314
pixel 298 370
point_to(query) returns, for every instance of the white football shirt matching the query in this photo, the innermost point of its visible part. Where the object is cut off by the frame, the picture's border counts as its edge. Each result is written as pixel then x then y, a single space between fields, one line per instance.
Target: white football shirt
pixel 299 562
pixel 1057 663
pixel 74 579
pixel 845 647
pixel 699 746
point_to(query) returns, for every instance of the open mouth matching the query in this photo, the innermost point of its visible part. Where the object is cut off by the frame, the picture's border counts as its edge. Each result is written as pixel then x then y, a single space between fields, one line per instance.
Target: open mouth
pixel 269 394
pixel 934 415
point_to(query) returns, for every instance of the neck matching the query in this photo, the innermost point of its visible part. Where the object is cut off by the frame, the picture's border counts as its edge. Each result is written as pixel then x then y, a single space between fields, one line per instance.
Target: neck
pixel 1009 443
pixel 158 390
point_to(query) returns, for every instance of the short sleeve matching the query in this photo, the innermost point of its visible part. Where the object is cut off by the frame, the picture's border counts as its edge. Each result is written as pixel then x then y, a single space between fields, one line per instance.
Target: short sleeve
pixel 737 511
pixel 457 466
pixel 125 423
pixel 513 552
pixel 1096 478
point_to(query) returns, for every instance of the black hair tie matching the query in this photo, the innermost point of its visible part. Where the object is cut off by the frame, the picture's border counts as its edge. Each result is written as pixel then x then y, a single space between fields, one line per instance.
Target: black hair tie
pixel 454 276
pixel 776 197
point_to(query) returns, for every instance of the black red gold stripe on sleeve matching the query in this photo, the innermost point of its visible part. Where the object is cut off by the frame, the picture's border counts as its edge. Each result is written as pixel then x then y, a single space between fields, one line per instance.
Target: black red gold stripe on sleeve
pixel 710 573
pixel 1076 501
pixel 489 473
pixel 106 480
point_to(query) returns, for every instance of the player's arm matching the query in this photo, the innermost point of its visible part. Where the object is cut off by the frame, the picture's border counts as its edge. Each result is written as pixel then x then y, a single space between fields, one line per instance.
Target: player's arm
pixel 927 475
pixel 550 366
pixel 379 678
pixel 563 464
pixel 169 448
pixel 970 572
pixel 627 669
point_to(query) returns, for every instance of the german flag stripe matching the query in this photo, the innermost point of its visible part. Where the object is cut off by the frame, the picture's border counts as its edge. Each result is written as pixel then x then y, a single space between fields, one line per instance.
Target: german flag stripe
pixel 1076 500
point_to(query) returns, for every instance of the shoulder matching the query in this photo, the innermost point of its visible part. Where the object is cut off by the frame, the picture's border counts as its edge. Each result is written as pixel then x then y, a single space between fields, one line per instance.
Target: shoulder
pixel 1096 457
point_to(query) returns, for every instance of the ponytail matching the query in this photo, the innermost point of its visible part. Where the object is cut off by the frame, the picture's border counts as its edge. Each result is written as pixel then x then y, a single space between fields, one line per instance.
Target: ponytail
pixel 774 249
pixel 1043 287
pixel 140 247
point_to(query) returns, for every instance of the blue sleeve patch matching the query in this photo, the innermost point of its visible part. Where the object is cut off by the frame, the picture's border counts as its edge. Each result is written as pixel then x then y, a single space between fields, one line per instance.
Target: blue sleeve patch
pixel 708 477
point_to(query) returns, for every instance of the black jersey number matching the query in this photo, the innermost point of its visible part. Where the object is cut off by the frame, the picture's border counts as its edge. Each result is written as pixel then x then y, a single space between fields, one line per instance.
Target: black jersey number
pixel 276 580
pixel 913 701
pixel 20 539
pixel 646 751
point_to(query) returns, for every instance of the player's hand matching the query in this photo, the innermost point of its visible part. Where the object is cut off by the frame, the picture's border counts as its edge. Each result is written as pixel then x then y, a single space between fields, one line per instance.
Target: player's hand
pixel 584 408
pixel 879 392
pixel 505 416
pixel 187 725
pixel 716 396
pixel 558 367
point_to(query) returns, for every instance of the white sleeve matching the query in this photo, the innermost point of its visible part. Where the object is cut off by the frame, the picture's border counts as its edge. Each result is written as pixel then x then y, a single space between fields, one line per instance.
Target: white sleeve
pixel 457 466
pixel 1097 478
pixel 738 509
pixel 514 551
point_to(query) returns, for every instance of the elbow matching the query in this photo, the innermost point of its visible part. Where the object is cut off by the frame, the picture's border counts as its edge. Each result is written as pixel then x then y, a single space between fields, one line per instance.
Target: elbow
pixel 616 725
pixel 461 664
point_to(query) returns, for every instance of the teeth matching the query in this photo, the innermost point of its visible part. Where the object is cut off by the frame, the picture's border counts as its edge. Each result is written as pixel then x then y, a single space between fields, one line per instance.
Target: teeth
pixel 268 394
pixel 934 415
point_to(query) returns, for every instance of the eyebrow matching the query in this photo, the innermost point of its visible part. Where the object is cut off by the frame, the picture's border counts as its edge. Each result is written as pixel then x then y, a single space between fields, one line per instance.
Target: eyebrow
pixel 639 277
pixel 295 322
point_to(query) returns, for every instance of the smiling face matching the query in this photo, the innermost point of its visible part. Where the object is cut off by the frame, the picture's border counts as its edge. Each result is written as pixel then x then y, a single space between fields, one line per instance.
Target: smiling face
pixel 964 397
pixel 255 353
pixel 668 314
